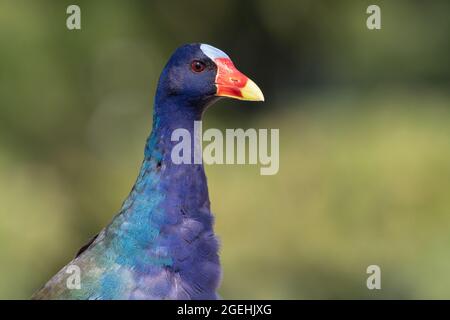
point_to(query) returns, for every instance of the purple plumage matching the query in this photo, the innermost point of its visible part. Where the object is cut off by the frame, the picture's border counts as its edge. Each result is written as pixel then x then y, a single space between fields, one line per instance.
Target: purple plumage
pixel 161 245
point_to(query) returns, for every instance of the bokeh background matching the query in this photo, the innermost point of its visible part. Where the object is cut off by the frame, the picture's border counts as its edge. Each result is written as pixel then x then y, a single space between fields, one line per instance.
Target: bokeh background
pixel 364 119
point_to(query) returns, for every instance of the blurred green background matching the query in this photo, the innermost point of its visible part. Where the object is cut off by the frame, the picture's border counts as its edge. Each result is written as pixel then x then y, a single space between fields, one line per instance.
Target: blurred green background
pixel 364 119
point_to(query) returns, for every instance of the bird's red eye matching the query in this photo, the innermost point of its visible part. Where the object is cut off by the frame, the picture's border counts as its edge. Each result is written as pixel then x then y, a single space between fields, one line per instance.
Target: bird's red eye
pixel 197 66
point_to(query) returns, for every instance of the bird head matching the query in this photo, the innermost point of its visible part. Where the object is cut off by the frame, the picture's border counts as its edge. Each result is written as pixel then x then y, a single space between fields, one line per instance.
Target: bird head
pixel 201 73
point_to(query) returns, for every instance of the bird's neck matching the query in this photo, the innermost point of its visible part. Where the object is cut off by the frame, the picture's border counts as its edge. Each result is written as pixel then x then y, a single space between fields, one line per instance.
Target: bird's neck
pixel 182 187
pixel 168 210
pixel 183 184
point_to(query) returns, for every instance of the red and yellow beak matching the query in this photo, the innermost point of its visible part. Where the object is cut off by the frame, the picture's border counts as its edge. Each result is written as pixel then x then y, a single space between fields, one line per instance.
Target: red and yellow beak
pixel 230 82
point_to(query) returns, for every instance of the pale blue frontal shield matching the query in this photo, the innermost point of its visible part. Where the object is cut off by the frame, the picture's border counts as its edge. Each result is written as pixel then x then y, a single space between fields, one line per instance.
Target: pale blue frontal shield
pixel 212 52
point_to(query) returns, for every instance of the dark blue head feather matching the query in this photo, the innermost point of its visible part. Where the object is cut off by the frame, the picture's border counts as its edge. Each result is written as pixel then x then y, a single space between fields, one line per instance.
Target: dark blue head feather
pixel 180 89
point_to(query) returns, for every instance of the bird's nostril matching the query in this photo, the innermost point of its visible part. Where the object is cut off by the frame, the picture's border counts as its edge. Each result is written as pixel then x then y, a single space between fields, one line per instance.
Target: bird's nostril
pixel 234 80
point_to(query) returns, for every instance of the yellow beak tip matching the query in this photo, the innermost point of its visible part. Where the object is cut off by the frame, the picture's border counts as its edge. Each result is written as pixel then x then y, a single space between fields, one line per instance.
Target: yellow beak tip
pixel 251 92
